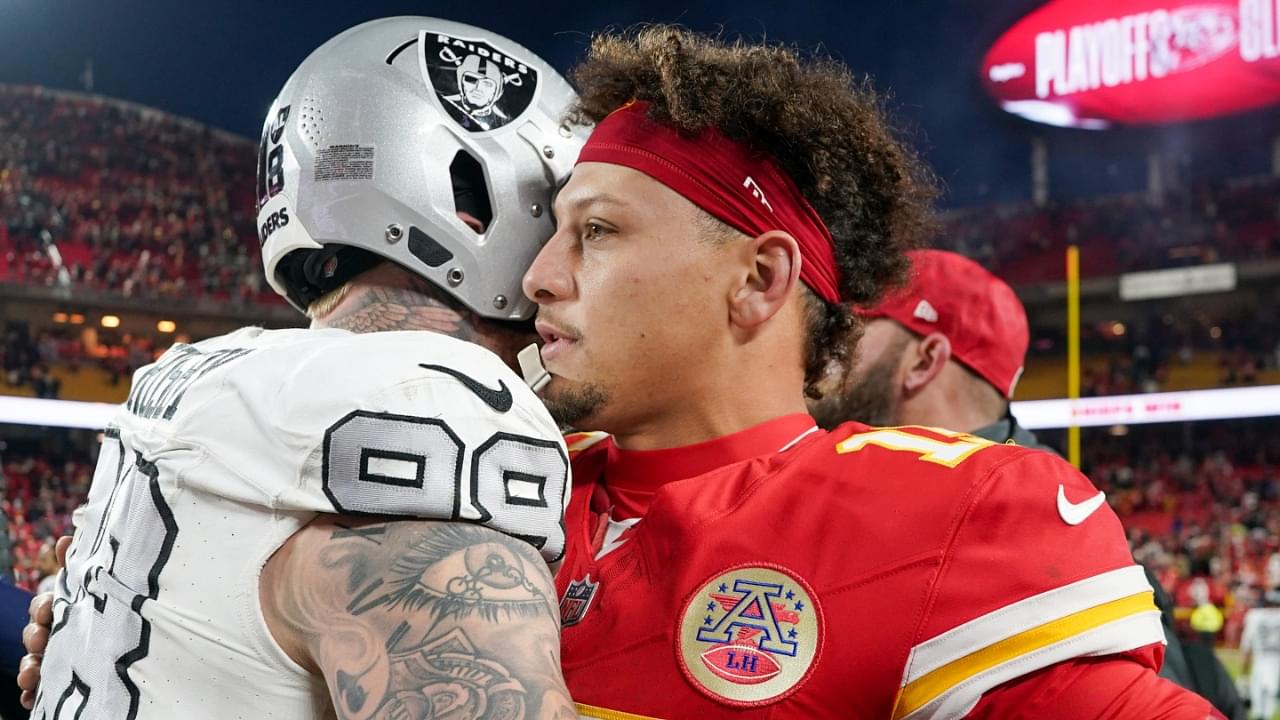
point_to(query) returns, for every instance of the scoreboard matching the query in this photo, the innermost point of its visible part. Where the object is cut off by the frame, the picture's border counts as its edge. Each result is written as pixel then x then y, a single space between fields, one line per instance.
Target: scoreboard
pixel 1088 64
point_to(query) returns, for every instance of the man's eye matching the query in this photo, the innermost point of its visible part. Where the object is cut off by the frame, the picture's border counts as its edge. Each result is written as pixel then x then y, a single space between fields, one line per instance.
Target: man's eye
pixel 594 230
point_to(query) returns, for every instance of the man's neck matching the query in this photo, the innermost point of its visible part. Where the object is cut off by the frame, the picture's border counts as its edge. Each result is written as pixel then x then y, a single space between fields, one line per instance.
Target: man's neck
pixel 956 413
pixel 719 408
pixel 387 298
pixel 733 388
pixel 691 429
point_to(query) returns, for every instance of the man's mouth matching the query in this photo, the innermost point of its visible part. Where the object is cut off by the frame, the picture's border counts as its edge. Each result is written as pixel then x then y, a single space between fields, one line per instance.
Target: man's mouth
pixel 555 340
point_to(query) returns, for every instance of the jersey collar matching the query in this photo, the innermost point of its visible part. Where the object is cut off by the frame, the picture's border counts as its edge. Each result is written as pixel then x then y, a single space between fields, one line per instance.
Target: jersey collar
pixel 648 470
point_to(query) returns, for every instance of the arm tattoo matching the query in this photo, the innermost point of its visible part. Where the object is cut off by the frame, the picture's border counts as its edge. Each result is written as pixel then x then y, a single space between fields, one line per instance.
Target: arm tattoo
pixel 414 620
pixel 376 308
pixel 488 567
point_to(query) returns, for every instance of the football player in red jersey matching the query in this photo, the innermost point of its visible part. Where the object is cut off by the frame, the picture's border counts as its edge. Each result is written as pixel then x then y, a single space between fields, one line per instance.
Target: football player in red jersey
pixel 725 557
pixel 947 351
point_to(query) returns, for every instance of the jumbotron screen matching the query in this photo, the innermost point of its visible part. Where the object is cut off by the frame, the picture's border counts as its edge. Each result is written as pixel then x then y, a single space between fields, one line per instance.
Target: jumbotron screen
pixel 1088 64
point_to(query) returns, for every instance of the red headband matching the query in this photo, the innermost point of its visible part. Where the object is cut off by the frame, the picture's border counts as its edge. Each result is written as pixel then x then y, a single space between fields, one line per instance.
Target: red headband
pixel 745 190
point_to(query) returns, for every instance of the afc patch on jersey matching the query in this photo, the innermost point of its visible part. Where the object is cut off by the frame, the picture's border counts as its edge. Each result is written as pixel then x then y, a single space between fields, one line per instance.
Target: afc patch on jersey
pixel 577 600
pixel 750 635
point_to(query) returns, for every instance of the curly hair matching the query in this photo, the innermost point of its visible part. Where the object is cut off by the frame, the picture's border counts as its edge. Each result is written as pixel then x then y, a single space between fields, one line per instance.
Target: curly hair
pixel 825 129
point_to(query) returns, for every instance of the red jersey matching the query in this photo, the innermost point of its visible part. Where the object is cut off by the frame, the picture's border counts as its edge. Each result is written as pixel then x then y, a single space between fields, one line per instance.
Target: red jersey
pixel 787 572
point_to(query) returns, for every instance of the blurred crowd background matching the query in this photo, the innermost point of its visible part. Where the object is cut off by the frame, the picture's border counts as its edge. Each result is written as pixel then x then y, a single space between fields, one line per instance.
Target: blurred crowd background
pixel 125 228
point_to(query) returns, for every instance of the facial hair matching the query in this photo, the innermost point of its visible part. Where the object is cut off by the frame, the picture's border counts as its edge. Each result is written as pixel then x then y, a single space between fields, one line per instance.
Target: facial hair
pixel 571 406
pixel 870 398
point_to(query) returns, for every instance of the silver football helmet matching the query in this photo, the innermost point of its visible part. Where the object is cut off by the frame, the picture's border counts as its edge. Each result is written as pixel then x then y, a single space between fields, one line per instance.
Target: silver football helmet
pixel 393 132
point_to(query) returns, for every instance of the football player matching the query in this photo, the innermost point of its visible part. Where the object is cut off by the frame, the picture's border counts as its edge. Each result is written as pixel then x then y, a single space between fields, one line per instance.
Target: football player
pixel 947 351
pixel 354 519
pixel 1260 642
pixel 728 559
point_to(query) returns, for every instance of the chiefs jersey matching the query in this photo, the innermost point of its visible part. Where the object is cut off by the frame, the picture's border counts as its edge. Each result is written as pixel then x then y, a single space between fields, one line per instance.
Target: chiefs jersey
pixel 787 572
pixel 227 447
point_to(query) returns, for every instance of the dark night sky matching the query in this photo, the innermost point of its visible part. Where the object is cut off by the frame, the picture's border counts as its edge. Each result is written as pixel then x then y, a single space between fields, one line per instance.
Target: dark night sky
pixel 222 63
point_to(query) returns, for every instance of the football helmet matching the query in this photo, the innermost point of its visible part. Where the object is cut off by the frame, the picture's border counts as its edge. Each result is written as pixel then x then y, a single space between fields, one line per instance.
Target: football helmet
pixel 430 143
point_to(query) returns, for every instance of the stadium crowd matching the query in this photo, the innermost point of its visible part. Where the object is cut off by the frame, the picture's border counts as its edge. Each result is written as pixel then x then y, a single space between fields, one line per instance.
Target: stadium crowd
pixel 28 357
pixel 1142 358
pixel 144 204
pixel 40 495
pixel 1201 503
pixel 100 195
pixel 1237 220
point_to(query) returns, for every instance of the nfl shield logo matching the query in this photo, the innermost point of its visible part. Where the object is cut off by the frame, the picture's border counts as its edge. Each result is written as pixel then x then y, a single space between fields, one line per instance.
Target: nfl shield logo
pixel 577 599
pixel 482 88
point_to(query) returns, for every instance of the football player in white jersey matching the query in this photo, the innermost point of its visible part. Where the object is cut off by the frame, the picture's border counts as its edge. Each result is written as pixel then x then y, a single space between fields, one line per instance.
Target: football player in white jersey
pixel 1260 643
pixel 338 522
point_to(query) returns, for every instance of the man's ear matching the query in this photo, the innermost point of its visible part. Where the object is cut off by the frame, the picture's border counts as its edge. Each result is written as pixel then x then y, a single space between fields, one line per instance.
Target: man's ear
pixel 772 271
pixel 927 359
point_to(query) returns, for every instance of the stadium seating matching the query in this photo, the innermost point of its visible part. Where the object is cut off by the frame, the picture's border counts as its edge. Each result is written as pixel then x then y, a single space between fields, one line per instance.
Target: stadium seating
pixel 1208 510
pixel 104 195
pixel 40 495
pixel 149 205
pixel 1023 244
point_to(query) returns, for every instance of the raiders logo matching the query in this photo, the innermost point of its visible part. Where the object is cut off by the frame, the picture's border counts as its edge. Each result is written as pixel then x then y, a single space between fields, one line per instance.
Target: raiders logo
pixel 750 635
pixel 481 87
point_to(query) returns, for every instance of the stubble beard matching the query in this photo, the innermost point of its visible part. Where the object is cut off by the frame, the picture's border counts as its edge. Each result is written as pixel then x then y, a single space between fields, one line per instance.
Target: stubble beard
pixel 869 400
pixel 575 404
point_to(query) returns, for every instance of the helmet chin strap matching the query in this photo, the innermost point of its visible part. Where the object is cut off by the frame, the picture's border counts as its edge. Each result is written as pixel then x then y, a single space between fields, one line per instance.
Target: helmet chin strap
pixel 535 375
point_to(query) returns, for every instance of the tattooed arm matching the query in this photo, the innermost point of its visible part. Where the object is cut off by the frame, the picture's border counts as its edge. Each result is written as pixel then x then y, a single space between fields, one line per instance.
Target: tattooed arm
pixel 410 619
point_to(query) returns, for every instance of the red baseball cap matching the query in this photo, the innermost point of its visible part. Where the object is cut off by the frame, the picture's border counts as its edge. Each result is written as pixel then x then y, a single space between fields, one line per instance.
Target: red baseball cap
pixel 977 311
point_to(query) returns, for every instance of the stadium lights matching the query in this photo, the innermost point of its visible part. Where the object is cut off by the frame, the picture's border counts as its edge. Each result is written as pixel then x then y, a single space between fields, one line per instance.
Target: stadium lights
pixel 76 319
pixel 110 321
pixel 166 326
pixel 1111 411
pixel 60 318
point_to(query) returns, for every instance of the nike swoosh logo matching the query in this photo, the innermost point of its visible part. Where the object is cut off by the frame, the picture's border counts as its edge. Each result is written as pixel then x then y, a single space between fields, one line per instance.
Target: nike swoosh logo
pixel 1076 513
pixel 499 399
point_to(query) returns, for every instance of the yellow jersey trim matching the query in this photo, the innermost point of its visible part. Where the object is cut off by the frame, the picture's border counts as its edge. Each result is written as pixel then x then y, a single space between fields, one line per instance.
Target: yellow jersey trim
pixel 590 711
pixel 929 687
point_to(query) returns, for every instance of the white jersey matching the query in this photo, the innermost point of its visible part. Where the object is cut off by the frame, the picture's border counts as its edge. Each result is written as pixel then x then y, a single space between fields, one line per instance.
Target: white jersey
pixel 226 448
pixel 1261 638
pixel 1261 634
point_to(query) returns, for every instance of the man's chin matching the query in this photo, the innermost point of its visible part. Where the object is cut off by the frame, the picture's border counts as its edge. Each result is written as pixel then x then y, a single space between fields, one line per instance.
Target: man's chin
pixel 574 404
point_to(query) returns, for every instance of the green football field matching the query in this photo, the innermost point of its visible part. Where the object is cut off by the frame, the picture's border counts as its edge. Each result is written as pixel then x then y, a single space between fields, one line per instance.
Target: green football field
pixel 1232 659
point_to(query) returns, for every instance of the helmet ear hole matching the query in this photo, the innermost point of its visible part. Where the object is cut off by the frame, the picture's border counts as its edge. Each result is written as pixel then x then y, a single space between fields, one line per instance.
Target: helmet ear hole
pixel 470 192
